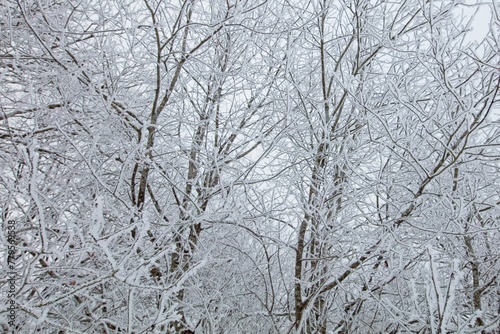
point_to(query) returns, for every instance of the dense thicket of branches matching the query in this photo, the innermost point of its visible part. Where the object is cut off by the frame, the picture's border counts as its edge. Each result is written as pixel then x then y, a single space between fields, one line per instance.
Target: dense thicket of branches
pixel 251 166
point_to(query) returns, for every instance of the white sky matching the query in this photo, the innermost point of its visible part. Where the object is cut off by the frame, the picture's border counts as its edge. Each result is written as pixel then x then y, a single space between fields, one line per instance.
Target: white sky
pixel 482 21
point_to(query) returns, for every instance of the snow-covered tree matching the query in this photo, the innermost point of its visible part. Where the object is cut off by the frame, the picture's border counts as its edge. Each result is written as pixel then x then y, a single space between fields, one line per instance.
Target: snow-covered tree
pixel 251 166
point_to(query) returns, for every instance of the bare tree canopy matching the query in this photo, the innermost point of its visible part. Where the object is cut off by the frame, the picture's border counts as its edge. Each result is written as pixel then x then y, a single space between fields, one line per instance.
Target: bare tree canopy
pixel 268 166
